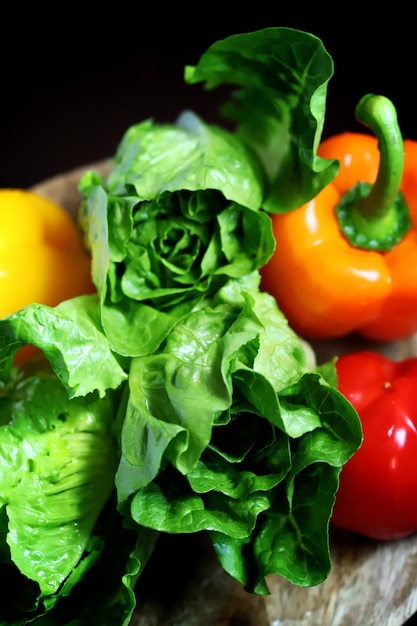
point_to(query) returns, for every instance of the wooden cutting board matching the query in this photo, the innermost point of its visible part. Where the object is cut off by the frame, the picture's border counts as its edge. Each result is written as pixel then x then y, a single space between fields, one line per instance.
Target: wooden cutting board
pixel 371 583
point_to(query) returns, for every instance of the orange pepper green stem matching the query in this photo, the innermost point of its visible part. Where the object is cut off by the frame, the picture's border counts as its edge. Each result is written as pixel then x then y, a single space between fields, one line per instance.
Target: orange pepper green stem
pixel 326 286
pixel 376 216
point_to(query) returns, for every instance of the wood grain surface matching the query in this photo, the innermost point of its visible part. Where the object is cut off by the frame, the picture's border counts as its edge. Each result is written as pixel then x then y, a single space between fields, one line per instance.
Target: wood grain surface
pixel 371 583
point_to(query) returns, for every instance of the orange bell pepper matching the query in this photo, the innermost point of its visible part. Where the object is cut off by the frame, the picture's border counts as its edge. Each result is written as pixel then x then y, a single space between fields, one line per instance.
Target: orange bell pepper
pixel 42 255
pixel 330 284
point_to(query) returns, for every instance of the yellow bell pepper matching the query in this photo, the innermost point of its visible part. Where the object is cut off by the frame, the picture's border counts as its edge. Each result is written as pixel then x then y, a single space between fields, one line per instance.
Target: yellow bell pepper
pixel 42 254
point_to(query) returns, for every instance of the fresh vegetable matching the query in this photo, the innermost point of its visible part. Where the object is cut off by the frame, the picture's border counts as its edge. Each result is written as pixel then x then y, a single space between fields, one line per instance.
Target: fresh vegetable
pixel 59 266
pixel 278 102
pixel 221 421
pixel 240 451
pixel 199 189
pixel 176 262
pixel 58 459
pixel 347 260
pixel 67 556
pixel 161 239
pixel 378 485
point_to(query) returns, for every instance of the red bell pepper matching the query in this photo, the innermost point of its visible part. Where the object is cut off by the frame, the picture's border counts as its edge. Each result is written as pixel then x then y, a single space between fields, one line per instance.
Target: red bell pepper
pixel 377 496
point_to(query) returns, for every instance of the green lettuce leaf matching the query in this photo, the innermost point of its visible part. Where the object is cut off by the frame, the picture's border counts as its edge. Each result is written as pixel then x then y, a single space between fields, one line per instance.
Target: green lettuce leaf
pixel 176 218
pixel 71 338
pixel 280 77
pixel 191 155
pixel 99 590
pixel 57 464
pixel 229 431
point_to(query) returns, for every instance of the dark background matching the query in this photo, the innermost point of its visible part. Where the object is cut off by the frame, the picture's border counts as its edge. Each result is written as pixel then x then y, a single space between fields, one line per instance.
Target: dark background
pixel 72 86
